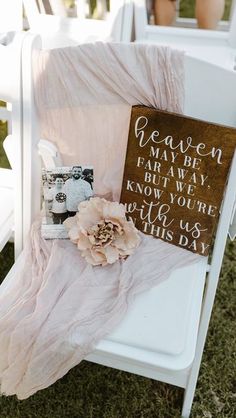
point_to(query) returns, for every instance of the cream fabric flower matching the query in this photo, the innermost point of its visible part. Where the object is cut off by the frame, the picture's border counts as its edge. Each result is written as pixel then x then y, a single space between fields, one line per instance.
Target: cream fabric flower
pixel 101 231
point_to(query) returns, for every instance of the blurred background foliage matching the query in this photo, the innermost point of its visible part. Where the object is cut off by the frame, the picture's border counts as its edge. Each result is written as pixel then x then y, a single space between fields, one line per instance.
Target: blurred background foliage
pixel 186 8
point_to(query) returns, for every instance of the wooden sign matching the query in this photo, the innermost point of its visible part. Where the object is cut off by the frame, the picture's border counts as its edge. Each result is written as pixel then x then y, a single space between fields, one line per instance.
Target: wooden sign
pixel 175 173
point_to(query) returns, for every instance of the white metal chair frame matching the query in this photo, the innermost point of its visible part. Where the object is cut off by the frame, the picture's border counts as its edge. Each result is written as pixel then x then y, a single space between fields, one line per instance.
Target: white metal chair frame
pixel 111 353
pixel 11 180
pixel 10 92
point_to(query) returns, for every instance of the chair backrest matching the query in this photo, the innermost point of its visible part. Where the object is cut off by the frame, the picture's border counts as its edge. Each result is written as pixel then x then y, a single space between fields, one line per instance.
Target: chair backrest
pixel 58 31
pixel 11 92
pixel 195 39
pixel 203 100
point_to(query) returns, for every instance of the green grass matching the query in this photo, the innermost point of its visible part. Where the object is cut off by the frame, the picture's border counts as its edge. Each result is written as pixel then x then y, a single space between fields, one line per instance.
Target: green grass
pixel 187 8
pixel 3 133
pixel 3 159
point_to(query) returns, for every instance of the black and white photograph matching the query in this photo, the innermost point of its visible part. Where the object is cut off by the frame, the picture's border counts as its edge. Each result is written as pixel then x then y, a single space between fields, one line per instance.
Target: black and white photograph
pixel 63 188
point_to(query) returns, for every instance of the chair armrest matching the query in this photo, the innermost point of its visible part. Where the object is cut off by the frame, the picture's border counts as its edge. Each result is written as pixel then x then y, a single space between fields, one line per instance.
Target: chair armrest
pixel 49 153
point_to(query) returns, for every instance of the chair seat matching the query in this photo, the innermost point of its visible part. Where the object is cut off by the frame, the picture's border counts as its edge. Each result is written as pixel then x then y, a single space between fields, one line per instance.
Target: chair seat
pixel 160 328
pixel 6 208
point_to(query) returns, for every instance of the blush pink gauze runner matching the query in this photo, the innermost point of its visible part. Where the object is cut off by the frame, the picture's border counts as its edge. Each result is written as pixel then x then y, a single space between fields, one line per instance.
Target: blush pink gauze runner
pixel 54 307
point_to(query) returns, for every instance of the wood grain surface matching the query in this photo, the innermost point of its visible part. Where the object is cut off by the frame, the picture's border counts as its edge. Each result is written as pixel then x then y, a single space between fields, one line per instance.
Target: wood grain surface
pixel 175 173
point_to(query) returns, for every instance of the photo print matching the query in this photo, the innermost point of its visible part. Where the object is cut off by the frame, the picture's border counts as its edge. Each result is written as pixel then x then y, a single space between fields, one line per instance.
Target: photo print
pixel 63 188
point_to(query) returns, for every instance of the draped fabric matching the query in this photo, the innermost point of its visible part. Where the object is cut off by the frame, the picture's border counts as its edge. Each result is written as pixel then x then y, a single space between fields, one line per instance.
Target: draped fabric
pixel 84 95
pixel 54 307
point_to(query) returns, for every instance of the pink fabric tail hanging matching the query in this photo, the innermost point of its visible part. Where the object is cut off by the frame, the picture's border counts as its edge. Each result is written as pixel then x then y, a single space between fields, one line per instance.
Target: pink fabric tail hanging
pixel 54 307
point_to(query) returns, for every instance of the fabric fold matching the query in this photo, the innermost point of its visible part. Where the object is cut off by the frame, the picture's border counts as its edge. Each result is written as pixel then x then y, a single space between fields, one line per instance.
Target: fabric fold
pixel 84 97
pixel 73 307
pixel 54 307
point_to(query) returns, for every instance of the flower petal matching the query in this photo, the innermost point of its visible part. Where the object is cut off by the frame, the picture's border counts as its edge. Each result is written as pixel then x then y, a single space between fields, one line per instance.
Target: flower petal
pixel 114 210
pixel 70 222
pixel 111 254
pixel 83 242
pixel 90 213
pixel 101 231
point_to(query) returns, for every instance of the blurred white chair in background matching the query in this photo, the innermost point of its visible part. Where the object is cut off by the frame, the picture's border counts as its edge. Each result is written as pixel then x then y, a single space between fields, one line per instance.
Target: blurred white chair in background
pixel 60 30
pixel 218 47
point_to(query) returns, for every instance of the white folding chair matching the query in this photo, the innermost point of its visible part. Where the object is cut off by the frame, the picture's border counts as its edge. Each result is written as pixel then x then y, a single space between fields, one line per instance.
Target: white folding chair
pixel 163 334
pixel 59 31
pixel 10 92
pixel 11 180
pixel 218 47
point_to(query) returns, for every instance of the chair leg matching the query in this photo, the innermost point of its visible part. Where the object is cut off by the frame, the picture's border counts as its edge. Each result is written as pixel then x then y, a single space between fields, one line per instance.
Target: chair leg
pixel 191 386
pixel 188 400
